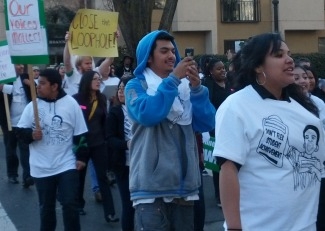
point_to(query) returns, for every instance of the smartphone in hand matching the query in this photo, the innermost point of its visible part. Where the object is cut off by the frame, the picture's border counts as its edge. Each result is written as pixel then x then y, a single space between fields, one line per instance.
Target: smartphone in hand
pixel 189 52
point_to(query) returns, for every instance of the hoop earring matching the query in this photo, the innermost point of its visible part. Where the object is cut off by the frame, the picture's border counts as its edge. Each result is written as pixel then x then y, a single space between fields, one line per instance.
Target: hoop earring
pixel 261 84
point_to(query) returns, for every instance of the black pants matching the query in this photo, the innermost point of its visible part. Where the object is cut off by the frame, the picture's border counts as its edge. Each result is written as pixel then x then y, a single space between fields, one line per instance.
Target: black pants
pixel 321 208
pixel 11 144
pixel 98 155
pixel 127 218
pixel 63 186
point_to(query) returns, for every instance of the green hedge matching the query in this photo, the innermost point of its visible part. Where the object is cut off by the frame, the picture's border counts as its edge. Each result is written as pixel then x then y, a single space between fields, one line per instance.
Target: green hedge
pixel 317 61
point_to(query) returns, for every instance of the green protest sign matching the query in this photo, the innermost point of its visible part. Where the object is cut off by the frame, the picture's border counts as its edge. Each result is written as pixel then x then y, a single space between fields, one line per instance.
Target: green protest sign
pixel 25 31
pixel 209 159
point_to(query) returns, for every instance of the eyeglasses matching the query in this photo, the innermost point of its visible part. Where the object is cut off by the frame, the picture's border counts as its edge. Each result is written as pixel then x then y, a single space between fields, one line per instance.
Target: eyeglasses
pixel 121 88
pixel 97 79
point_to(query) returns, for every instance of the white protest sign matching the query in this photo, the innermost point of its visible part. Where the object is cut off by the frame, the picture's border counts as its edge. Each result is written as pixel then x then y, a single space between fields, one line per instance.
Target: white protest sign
pixel 7 69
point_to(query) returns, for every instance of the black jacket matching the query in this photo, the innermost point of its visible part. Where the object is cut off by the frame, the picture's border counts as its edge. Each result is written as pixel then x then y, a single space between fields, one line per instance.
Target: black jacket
pixel 116 139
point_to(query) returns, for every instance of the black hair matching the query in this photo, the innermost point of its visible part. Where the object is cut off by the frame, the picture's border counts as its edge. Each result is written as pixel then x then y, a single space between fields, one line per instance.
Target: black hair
pixel 297 65
pixel 303 60
pixel 204 62
pixel 53 76
pixel 85 86
pixel 57 116
pixel 312 70
pixel 161 36
pixel 252 55
pixel 314 128
pixel 210 66
pixel 124 80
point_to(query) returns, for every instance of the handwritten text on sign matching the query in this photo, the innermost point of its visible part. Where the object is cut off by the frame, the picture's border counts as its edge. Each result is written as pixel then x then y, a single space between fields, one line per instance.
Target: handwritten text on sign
pixel 24 23
pixel 93 33
pixel 7 69
pixel 25 35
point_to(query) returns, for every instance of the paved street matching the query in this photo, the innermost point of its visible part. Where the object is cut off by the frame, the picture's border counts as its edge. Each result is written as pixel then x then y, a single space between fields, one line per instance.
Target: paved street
pixel 19 208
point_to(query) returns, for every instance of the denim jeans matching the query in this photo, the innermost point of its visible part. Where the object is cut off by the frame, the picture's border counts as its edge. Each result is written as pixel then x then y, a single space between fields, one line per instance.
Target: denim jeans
pixel 11 143
pixel 66 185
pixel 93 177
pixel 161 216
pixel 127 219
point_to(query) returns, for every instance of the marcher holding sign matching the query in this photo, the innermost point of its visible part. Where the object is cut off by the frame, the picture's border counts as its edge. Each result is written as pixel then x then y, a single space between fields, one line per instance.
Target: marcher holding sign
pixel 74 70
pixel 58 150
pixel 7 75
pixel 20 96
pixel 93 33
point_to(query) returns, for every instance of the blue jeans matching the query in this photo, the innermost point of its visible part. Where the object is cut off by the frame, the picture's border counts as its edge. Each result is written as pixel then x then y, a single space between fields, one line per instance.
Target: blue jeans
pixel 161 216
pixel 127 219
pixel 66 185
pixel 93 177
pixel 11 144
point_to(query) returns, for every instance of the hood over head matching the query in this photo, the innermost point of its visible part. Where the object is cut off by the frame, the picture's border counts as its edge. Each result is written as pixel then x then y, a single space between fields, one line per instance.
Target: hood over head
pixel 144 48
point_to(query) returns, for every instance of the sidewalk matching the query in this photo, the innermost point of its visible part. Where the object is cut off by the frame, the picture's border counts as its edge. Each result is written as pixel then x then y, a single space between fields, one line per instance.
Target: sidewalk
pixel 213 214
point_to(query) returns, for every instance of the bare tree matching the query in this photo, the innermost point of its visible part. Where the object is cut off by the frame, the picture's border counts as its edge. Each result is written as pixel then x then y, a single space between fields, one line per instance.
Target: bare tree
pixel 135 19
pixel 71 4
pixel 168 15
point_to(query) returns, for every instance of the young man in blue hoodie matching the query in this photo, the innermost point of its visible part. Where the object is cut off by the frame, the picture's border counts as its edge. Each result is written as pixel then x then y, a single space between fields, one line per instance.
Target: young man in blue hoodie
pixel 167 105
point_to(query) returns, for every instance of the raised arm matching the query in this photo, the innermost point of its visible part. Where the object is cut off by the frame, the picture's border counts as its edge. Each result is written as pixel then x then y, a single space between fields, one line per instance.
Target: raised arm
pixel 105 66
pixel 66 55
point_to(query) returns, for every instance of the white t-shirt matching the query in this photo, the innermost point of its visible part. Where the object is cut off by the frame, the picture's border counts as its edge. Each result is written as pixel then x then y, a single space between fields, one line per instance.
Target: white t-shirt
pixel 321 107
pixel 60 121
pixel 281 164
pixel 71 83
pixel 19 100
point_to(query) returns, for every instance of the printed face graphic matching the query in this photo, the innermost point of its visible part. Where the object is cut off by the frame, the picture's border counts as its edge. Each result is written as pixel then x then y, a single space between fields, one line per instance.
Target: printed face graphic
pixel 310 140
pixel 56 122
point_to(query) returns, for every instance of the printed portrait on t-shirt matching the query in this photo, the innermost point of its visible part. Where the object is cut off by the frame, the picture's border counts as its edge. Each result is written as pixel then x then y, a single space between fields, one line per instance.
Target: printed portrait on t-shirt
pixel 274 145
pixel 51 126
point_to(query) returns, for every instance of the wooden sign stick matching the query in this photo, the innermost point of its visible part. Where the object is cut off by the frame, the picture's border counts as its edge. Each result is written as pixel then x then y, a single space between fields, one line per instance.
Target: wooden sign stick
pixel 33 95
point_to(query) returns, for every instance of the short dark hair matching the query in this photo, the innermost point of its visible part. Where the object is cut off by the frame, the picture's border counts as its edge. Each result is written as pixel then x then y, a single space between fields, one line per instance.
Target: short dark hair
pixel 314 128
pixel 161 36
pixel 53 76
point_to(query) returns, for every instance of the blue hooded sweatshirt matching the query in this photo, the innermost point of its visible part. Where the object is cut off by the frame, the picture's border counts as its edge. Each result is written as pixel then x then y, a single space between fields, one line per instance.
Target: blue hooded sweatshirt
pixel 164 155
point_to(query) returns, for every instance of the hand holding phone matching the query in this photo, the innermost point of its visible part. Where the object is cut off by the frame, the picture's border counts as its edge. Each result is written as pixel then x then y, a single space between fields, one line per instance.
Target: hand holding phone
pixel 189 52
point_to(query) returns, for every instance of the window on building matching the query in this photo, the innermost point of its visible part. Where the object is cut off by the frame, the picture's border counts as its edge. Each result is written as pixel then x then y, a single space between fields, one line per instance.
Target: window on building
pixel 234 45
pixel 321 45
pixel 160 4
pixel 240 11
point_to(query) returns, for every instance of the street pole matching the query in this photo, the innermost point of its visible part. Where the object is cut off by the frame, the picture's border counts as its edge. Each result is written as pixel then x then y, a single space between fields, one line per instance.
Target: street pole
pixel 276 16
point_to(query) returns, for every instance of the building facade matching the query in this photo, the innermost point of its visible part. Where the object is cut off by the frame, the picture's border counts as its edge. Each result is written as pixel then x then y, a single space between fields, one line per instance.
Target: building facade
pixel 213 26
